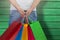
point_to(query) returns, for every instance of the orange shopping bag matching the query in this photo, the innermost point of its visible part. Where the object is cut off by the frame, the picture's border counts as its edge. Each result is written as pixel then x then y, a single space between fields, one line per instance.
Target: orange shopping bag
pixel 25 32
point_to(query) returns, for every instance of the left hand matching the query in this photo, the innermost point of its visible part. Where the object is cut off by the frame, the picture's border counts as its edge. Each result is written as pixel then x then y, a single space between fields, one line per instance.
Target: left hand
pixel 28 12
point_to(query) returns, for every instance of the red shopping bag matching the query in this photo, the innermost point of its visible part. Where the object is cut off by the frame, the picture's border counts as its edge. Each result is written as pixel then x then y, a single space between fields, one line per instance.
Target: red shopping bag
pixel 30 34
pixel 14 36
pixel 16 33
pixel 11 30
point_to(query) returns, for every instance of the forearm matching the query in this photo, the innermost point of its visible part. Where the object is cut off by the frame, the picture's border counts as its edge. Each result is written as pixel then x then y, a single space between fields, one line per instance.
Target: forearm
pixel 14 3
pixel 34 4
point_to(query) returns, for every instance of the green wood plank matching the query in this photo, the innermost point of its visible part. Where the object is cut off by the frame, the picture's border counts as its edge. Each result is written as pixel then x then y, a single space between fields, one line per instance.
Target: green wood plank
pixel 1 23
pixel 4 20
pixel 52 31
pixel 50 0
pixel 53 37
pixel 4 16
pixel 4 26
pixel 2 31
pixel 4 8
pixel 48 11
pixel 4 11
pixel 50 18
pixel 50 24
pixel 2 2
pixel 49 5
pixel 5 4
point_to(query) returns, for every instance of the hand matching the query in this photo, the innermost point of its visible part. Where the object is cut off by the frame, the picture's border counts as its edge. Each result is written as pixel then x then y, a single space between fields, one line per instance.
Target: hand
pixel 22 13
pixel 28 12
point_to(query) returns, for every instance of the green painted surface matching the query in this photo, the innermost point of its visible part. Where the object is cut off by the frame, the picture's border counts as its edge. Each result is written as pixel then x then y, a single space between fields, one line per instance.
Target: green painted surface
pixel 48 15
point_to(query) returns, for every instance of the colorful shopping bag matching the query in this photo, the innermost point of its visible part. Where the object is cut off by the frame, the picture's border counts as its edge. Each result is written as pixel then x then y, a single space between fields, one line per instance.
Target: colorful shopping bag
pixel 14 36
pixel 37 30
pixel 18 37
pixel 19 31
pixel 30 34
pixel 11 30
pixel 25 32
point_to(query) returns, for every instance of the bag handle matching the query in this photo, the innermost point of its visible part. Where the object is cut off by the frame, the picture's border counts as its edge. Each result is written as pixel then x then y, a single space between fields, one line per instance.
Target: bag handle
pixel 26 18
pixel 21 18
pixel 31 21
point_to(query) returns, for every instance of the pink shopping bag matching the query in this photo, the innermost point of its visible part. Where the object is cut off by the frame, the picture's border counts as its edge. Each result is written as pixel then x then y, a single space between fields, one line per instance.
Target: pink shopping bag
pixel 30 34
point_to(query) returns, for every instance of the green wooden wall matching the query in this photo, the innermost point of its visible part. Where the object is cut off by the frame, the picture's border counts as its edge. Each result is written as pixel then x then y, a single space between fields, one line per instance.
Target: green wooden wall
pixel 48 15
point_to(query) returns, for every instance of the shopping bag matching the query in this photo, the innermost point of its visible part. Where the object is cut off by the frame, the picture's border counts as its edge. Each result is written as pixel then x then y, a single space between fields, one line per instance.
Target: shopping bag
pixel 30 34
pixel 25 32
pixel 38 31
pixel 18 37
pixel 15 35
pixel 11 30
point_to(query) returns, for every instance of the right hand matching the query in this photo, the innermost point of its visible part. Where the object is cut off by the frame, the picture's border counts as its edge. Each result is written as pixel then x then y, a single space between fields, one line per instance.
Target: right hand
pixel 22 13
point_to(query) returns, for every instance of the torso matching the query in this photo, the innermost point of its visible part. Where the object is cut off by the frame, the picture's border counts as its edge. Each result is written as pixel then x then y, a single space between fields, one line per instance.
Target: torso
pixel 24 4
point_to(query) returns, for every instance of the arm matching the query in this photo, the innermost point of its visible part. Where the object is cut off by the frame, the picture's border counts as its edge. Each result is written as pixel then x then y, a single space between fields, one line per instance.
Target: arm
pixel 34 4
pixel 14 3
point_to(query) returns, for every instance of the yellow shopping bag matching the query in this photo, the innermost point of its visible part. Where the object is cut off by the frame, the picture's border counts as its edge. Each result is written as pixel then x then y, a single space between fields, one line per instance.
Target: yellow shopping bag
pixel 25 32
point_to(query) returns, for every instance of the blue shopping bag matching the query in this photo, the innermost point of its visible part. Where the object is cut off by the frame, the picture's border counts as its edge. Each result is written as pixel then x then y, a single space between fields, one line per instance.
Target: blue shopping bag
pixel 18 37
